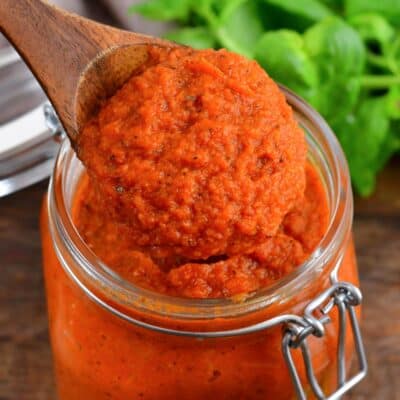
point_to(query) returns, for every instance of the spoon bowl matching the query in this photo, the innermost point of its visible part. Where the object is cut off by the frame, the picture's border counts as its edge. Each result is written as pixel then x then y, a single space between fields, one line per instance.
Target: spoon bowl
pixel 102 77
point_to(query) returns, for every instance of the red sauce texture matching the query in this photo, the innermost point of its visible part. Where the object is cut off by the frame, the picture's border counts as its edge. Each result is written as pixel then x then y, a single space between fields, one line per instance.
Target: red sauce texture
pixel 197 186
pixel 198 153
pixel 301 230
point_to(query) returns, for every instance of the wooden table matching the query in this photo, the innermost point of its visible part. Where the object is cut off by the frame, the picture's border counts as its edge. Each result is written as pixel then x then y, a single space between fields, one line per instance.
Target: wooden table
pixel 25 358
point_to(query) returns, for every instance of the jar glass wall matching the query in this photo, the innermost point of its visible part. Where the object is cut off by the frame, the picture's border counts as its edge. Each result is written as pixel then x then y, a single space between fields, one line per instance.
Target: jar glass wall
pixel 108 335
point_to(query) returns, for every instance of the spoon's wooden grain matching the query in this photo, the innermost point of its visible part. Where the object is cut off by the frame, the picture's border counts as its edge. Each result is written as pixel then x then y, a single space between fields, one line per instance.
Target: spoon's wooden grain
pixel 77 61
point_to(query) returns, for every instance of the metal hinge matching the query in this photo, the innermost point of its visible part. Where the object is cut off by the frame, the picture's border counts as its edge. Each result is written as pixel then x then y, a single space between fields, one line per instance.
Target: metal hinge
pixel 345 297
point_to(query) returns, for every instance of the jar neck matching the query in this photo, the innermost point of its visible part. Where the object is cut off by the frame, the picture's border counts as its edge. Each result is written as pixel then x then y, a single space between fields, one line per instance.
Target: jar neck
pixel 124 298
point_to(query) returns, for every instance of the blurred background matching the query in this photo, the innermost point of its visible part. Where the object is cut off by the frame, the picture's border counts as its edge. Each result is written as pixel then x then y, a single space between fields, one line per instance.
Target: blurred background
pixel 342 56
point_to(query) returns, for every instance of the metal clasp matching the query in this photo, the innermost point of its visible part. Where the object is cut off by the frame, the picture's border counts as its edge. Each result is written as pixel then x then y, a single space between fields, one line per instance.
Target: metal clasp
pixel 345 297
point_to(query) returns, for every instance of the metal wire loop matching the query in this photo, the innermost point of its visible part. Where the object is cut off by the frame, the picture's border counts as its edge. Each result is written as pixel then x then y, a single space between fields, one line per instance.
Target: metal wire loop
pixel 344 296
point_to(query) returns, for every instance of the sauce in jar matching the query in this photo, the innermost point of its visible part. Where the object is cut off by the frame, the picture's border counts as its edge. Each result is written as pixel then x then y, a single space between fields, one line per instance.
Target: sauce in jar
pixel 301 230
pixel 149 238
pixel 198 154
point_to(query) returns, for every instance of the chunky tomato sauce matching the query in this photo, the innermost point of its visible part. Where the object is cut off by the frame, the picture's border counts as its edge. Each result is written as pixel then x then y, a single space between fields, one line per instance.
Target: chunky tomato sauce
pixel 299 233
pixel 197 177
pixel 197 186
pixel 198 153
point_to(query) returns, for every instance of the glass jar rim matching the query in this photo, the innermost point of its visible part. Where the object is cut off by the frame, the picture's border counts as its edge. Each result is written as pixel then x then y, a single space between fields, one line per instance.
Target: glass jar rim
pixel 92 276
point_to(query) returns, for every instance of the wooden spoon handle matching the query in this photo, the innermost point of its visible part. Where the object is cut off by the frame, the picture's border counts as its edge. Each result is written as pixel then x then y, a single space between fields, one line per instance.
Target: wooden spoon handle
pixel 55 44
pixel 58 47
pixel 41 32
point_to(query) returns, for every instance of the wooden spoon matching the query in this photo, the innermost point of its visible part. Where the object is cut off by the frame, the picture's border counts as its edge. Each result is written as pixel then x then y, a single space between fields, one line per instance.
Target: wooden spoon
pixel 78 62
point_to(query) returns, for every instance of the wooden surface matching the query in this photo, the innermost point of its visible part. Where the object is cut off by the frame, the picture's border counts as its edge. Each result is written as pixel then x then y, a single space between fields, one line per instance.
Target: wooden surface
pixel 25 358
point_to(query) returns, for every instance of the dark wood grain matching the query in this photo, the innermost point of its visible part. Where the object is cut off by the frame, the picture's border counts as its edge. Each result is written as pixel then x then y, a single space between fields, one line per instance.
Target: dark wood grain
pixel 78 62
pixel 25 359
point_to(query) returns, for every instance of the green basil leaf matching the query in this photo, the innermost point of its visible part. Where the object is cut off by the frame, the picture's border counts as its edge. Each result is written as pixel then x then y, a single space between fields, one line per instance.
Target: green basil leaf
pixel 198 38
pixel 226 7
pixel 336 5
pixel 393 102
pixel 365 139
pixel 163 10
pixel 373 28
pixel 337 47
pixel 310 9
pixel 389 9
pixel 282 54
pixel 339 53
pixel 393 54
pixel 241 28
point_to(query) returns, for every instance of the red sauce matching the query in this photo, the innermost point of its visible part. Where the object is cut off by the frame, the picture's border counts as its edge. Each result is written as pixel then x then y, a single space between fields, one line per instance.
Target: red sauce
pixel 198 153
pixel 300 232
pixel 98 356
pixel 197 187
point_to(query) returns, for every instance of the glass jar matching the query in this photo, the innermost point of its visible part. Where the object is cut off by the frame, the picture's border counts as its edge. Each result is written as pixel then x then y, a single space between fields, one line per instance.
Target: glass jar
pixel 113 340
